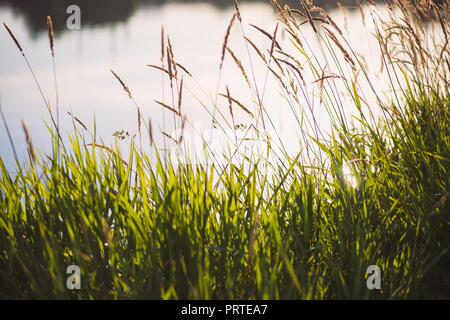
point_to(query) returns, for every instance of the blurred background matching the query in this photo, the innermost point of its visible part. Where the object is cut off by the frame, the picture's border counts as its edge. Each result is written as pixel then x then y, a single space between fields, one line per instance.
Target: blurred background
pixel 101 12
pixel 125 35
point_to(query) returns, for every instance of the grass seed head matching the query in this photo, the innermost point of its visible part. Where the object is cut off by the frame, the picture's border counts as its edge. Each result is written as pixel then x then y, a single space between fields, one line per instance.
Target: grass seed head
pixel 14 38
pixel 225 41
pixel 51 35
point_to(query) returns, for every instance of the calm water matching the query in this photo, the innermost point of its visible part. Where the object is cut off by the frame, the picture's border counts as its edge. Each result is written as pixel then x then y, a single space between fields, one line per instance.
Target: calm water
pixel 125 36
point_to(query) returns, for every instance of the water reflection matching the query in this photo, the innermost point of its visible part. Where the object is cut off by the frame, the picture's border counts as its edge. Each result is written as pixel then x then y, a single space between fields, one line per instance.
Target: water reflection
pixel 94 12
pixel 87 88
pixel 101 12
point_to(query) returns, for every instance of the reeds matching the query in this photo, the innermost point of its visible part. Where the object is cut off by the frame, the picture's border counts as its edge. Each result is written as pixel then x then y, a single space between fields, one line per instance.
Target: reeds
pixel 176 112
pixel 29 141
pixel 238 13
pixel 125 88
pixel 158 228
pixel 275 42
pixel 239 65
pixel 347 56
pixel 225 41
pixel 47 105
pixel 51 35
pixel 13 37
pixel 238 103
pixel 78 121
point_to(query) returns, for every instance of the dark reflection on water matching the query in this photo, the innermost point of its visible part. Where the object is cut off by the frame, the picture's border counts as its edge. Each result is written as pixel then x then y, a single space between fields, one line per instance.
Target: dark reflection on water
pixel 100 12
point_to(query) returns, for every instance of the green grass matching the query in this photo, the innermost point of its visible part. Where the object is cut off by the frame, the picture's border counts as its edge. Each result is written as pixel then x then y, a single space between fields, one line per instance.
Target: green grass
pixel 159 229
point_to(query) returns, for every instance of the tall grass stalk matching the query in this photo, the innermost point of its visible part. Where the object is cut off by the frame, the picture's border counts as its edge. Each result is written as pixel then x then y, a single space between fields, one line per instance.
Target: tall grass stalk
pixel 267 224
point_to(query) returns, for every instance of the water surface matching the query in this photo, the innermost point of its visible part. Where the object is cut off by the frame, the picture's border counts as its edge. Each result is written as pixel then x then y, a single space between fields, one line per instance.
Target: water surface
pixel 126 36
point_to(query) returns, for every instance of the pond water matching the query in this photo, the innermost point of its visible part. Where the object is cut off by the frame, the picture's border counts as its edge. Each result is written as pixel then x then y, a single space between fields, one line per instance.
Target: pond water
pixel 125 36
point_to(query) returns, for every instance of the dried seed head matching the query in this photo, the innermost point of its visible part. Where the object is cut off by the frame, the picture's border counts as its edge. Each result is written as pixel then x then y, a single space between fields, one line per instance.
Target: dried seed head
pixel 78 120
pixel 329 19
pixel 237 11
pixel 169 136
pixel 308 14
pixel 125 88
pixel 256 49
pixel 29 142
pixel 292 19
pixel 14 38
pixel 168 107
pixel 276 75
pixel 273 40
pixel 170 56
pixel 158 67
pixel 339 45
pixel 267 35
pixel 226 39
pixel 51 35
pixel 292 66
pixel 277 6
pixel 230 103
pixel 239 64
pixel 169 67
pixel 238 103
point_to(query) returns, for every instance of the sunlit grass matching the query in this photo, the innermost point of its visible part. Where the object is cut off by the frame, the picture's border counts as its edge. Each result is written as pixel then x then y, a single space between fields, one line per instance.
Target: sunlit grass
pixel 158 228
